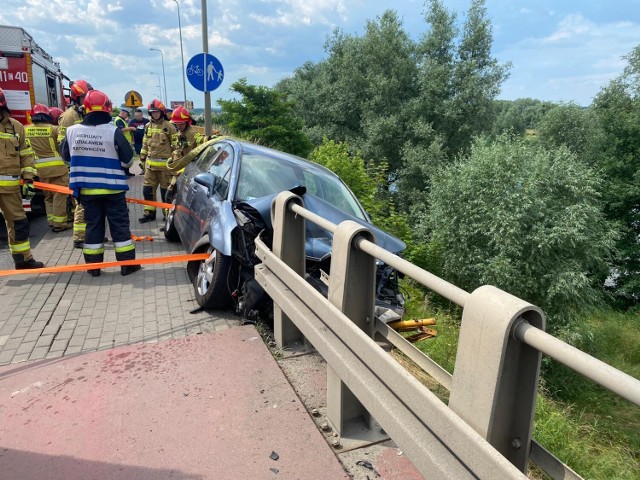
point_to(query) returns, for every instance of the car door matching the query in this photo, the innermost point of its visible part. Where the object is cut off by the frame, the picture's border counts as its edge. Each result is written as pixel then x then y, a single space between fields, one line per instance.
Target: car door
pixel 204 207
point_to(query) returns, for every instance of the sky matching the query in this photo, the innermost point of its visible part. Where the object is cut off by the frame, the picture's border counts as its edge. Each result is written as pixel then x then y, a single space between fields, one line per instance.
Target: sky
pixel 560 50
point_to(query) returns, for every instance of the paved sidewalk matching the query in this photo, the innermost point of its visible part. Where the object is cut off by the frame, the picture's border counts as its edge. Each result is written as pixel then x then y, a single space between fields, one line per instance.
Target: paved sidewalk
pixel 212 406
pixel 53 315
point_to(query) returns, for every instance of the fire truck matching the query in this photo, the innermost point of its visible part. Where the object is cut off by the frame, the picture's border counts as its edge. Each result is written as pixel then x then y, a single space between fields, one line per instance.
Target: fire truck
pixel 28 74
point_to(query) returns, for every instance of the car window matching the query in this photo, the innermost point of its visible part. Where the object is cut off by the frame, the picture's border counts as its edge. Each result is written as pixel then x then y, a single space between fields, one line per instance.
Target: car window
pixel 261 175
pixel 221 167
pixel 205 159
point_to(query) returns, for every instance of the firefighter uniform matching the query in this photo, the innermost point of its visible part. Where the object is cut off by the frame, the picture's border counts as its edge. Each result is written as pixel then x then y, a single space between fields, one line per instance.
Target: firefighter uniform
pixel 99 153
pixel 183 143
pixel 16 162
pixel 51 169
pixel 72 116
pixel 156 151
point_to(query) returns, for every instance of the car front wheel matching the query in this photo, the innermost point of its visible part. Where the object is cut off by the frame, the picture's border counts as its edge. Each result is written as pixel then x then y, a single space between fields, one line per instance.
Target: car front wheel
pixel 170 231
pixel 210 280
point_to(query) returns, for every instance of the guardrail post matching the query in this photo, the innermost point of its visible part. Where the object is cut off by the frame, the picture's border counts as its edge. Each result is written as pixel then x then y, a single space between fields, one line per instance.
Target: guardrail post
pixel 352 290
pixel 289 246
pixel 495 380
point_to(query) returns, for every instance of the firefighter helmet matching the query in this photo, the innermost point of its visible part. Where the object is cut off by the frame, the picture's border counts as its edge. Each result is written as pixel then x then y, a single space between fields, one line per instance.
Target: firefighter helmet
pixel 97 101
pixel 79 88
pixel 39 108
pixel 156 106
pixel 55 113
pixel 181 115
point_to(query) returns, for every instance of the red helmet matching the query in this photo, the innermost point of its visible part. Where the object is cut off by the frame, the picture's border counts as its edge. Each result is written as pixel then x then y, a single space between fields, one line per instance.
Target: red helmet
pixel 3 100
pixel 156 106
pixel 39 108
pixel 79 88
pixel 97 101
pixel 181 115
pixel 55 113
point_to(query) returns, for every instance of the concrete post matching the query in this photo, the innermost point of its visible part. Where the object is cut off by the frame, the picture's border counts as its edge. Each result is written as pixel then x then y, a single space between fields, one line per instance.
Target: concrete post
pixel 352 290
pixel 289 246
pixel 495 381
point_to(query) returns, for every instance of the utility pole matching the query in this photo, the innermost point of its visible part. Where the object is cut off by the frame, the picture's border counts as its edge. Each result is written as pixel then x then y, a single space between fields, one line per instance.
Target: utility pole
pixel 205 49
pixel 184 81
pixel 163 75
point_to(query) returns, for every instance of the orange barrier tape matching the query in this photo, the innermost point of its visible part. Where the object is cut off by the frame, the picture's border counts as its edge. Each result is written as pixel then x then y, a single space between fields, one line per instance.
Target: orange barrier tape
pixel 91 266
pixel 142 238
pixel 59 189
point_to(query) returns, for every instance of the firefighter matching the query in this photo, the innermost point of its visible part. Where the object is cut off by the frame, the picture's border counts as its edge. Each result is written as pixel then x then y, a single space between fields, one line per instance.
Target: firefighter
pixel 122 122
pixel 185 140
pixel 16 162
pixel 99 153
pixel 71 116
pixel 156 152
pixel 55 113
pixel 43 138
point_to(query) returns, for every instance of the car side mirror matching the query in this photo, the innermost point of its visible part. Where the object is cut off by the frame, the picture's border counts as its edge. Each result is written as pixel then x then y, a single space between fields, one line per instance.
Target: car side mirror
pixel 207 180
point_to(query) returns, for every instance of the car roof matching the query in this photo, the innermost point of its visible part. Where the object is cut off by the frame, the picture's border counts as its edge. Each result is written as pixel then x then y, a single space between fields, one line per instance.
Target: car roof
pixel 248 147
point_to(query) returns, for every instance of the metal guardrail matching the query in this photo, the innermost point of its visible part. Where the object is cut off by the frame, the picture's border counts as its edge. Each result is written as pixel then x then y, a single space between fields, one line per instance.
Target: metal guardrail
pixel 486 429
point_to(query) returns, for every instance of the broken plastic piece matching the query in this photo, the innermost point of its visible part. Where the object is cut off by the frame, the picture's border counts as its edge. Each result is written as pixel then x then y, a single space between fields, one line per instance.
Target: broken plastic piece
pixel 274 456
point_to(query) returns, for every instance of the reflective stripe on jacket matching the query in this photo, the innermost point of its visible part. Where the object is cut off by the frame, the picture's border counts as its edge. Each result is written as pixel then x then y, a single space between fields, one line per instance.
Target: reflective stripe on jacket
pixel 95 165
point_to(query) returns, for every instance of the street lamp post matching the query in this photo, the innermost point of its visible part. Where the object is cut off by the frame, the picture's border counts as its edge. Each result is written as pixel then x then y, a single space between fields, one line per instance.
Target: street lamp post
pixel 159 86
pixel 205 49
pixel 184 81
pixel 163 75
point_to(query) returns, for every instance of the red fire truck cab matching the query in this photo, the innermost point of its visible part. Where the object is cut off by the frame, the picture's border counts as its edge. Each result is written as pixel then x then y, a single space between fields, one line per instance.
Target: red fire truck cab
pixel 28 74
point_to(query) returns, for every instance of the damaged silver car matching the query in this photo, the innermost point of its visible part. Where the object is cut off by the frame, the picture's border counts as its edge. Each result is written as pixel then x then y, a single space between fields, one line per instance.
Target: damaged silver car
pixel 222 203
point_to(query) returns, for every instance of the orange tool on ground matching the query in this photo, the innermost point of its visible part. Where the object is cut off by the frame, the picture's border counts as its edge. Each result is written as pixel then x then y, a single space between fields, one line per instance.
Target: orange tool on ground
pixel 403 325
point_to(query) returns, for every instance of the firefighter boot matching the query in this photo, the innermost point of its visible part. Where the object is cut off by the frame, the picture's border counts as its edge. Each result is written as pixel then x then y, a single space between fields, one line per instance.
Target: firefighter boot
pixel 22 264
pixel 129 269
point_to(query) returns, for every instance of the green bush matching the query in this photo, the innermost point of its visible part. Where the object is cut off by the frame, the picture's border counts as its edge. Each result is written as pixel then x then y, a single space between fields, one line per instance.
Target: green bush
pixel 525 219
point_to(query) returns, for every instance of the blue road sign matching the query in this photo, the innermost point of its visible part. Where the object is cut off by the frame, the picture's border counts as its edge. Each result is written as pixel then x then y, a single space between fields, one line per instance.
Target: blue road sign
pixel 205 72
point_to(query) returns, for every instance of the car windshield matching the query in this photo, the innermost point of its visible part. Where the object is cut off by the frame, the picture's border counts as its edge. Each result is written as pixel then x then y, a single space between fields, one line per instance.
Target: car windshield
pixel 261 175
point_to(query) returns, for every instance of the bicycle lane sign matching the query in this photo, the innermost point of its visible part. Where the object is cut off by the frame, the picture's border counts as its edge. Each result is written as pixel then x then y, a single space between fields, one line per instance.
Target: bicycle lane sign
pixel 205 72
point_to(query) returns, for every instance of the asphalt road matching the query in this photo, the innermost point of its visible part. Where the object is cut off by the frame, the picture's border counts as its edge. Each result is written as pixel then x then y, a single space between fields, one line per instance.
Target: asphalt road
pixel 39 227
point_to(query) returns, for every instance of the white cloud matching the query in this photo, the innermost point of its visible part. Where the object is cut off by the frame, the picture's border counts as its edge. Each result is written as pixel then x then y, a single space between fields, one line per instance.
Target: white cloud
pixel 294 13
pixel 570 27
pixel 114 7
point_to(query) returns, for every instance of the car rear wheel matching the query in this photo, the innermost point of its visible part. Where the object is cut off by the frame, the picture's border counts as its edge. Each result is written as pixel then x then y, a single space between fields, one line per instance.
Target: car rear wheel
pixel 170 230
pixel 210 280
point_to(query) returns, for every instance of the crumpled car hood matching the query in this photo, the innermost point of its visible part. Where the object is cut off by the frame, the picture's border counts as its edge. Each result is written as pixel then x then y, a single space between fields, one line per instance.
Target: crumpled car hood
pixel 319 241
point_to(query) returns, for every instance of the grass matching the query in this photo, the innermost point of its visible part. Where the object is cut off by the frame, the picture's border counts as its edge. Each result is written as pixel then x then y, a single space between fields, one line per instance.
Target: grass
pixel 593 431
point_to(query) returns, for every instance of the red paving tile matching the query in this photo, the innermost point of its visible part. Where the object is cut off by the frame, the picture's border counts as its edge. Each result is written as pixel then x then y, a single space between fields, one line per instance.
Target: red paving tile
pixel 211 406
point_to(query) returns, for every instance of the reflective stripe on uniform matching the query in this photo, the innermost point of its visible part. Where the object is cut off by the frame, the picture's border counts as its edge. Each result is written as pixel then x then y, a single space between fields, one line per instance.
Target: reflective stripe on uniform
pixel 125 246
pixel 93 248
pixel 98 191
pixel 50 162
pixel 56 219
pixel 9 180
pixel 30 170
pixel 79 227
pixel 7 136
pixel 157 162
pixel 19 247
pixel 25 152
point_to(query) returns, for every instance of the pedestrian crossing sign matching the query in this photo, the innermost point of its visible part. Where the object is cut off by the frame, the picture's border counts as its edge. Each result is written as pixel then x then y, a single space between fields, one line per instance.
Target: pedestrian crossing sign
pixel 133 99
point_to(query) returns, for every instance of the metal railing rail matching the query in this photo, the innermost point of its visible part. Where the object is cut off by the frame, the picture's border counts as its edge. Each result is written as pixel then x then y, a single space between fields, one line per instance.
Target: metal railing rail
pixel 489 418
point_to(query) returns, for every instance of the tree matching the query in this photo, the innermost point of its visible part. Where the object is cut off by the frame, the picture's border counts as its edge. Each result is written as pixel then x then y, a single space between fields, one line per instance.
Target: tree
pixel 360 93
pixel 518 116
pixel 525 219
pixel 574 127
pixel 265 116
pixel 366 184
pixel 617 108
